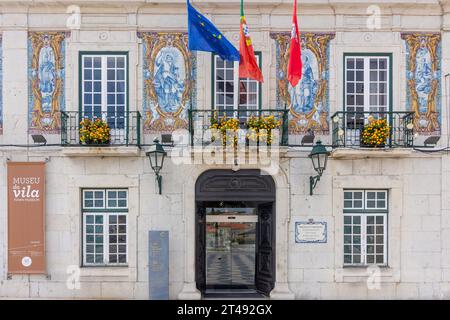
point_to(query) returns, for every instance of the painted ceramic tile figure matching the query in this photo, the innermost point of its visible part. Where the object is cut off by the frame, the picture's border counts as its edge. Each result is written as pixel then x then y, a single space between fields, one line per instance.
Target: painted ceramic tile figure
pixel 423 76
pixel 169 79
pixel 47 75
pixel 303 95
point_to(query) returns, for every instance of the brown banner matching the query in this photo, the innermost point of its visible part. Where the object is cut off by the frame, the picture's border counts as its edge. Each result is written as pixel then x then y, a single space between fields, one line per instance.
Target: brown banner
pixel 26 229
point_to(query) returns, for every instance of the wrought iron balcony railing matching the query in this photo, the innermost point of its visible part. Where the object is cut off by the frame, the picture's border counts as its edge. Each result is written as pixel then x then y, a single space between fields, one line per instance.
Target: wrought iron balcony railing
pixel 124 127
pixel 202 132
pixel 348 128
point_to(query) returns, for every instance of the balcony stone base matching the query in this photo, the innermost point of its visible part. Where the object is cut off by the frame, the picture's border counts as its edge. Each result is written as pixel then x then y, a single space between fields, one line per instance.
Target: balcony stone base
pixel 362 153
pixel 109 151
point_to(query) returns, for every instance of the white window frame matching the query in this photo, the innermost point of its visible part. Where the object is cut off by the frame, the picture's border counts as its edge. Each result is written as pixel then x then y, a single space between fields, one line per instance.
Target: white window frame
pixel 106 212
pixel 366 58
pixel 236 84
pixel 118 130
pixel 364 213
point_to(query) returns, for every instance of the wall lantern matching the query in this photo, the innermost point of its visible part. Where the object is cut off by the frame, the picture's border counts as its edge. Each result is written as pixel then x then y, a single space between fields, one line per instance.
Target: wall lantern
pixel 156 154
pixel 319 157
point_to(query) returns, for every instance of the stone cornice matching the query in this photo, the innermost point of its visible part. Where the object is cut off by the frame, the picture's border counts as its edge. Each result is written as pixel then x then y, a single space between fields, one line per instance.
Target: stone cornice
pixel 229 6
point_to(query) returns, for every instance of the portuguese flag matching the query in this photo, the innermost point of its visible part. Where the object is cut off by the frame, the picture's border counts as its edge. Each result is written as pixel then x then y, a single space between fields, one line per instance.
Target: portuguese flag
pixel 248 66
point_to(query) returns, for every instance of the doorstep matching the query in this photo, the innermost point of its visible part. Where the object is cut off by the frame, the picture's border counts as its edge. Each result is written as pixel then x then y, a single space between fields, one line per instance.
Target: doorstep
pixel 233 294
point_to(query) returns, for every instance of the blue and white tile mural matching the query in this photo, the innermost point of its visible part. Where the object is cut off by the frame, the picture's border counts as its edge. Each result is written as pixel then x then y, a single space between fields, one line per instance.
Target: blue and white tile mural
pixel 169 74
pixel 308 102
pixel 1 86
pixel 423 81
pixel 46 80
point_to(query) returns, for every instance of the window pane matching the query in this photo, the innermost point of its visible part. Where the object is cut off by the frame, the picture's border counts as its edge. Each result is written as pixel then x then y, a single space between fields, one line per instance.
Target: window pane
pixel 347 259
pixel 350 63
pixel 359 76
pixel 370 204
pixel 87 62
pixel 370 195
pixel 359 63
pixel 120 62
pixel 350 76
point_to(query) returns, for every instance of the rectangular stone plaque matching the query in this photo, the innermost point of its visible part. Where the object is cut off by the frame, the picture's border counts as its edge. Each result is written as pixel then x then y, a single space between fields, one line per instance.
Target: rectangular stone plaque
pixel 158 265
pixel 310 232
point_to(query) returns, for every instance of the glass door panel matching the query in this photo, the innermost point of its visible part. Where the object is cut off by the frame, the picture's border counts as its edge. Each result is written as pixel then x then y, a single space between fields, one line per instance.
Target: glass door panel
pixel 230 248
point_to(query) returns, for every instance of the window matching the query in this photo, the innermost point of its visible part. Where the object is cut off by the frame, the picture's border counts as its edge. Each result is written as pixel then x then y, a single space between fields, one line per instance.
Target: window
pixel 105 217
pixel 231 93
pixel 104 88
pixel 365 227
pixel 367 84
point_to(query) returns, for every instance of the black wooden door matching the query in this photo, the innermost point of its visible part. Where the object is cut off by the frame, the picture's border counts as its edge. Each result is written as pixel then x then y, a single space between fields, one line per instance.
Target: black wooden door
pixel 200 248
pixel 265 249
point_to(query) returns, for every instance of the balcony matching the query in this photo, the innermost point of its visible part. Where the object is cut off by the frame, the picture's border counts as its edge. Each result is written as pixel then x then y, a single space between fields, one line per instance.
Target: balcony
pixel 348 129
pixel 202 132
pixel 124 131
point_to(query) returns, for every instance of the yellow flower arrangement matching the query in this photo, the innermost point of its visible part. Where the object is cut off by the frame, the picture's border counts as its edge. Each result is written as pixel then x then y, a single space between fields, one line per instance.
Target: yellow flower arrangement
pixel 375 133
pixel 260 128
pixel 94 131
pixel 226 126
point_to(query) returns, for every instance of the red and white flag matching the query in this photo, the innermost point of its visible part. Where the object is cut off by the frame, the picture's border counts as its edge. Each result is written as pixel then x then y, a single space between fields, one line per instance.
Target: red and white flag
pixel 295 66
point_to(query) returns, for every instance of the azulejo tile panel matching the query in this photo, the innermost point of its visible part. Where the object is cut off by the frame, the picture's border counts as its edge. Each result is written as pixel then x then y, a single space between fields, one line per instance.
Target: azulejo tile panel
pixel 46 81
pixel 423 81
pixel 1 86
pixel 169 75
pixel 308 102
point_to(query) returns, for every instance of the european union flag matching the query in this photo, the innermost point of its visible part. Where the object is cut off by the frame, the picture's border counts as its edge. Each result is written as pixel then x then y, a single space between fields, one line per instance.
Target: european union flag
pixel 204 36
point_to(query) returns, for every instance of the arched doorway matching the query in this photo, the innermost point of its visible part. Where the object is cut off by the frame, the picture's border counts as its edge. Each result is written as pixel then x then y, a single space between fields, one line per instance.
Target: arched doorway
pixel 235 230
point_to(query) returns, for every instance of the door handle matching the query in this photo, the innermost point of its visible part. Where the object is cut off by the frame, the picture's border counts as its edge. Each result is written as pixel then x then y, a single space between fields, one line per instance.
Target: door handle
pixel 231 218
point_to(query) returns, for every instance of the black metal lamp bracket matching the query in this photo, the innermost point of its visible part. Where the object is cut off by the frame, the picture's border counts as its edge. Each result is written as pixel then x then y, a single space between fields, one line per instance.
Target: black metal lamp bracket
pixel 312 183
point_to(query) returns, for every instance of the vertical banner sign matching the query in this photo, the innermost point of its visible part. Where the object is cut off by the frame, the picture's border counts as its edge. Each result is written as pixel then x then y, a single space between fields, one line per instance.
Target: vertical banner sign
pixel 26 194
pixel 158 265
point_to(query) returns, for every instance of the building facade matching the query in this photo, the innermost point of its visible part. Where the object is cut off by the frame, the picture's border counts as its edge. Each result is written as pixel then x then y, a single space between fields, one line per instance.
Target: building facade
pixel 377 224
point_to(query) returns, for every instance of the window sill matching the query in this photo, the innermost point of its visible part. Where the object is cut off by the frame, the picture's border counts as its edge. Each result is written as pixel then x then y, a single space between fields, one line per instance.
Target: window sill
pixel 362 273
pixel 105 271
